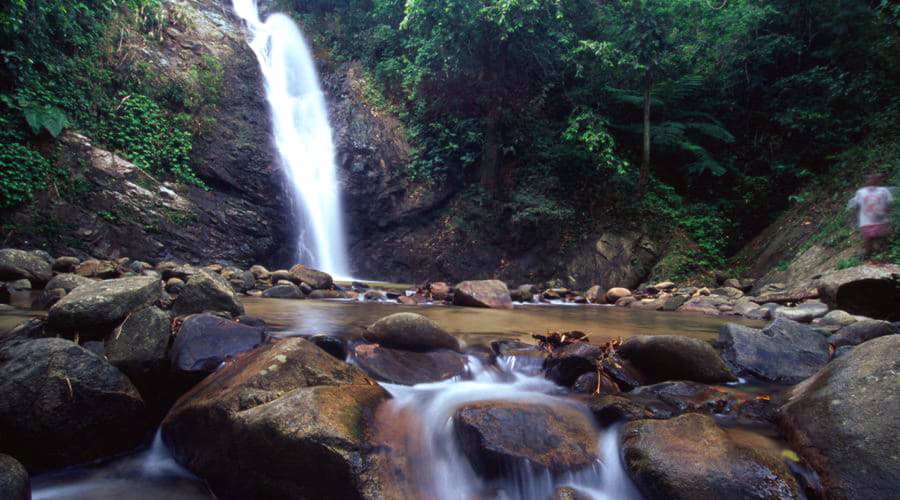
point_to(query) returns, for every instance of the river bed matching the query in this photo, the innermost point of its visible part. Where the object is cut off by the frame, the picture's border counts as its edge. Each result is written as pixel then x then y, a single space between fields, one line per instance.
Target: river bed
pixel 151 472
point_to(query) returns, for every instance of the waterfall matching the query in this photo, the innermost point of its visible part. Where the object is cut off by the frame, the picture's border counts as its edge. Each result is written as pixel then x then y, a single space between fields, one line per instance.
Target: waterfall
pixel 301 132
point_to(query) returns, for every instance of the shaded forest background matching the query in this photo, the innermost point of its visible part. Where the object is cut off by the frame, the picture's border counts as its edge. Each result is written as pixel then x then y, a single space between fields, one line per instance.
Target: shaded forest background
pixel 550 117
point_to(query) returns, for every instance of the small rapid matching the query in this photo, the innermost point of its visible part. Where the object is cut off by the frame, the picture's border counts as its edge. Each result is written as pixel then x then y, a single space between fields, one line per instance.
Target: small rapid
pixel 301 132
pixel 446 473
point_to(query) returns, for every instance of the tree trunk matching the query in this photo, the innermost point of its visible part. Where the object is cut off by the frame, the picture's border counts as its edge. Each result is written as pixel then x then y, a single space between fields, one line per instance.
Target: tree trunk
pixel 645 152
pixel 490 152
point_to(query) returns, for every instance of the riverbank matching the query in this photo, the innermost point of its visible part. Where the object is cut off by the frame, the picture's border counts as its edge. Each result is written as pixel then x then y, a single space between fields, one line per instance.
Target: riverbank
pixel 126 346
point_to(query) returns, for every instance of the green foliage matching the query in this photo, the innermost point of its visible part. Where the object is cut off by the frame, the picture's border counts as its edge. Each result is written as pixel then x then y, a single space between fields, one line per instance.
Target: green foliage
pixel 848 263
pixel 23 172
pixel 150 139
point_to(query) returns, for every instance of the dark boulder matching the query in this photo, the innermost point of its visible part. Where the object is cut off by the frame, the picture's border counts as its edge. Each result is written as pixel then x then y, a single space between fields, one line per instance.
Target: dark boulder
pixel 206 291
pixel 497 434
pixel 407 367
pixel 784 352
pixel 47 298
pixel 528 358
pixel 411 332
pixel 564 365
pixel 484 293
pixel 291 418
pixel 327 294
pixel 690 457
pixel 318 280
pixel 672 357
pixel 283 291
pixel 65 264
pixel 93 309
pixel 63 404
pixel 861 331
pixel 139 348
pixel 872 291
pixel 19 264
pixel 844 421
pixel 204 341
pixel 14 481
pixel 332 345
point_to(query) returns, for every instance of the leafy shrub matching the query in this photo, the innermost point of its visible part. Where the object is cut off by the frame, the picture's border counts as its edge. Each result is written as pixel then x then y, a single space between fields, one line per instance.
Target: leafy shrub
pixel 152 140
pixel 22 173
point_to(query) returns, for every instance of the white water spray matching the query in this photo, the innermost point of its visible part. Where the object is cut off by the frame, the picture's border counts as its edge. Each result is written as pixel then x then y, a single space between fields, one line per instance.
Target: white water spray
pixel 448 474
pixel 301 131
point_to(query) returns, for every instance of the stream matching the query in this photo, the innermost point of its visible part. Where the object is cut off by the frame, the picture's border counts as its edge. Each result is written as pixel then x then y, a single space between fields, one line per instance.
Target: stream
pixel 441 470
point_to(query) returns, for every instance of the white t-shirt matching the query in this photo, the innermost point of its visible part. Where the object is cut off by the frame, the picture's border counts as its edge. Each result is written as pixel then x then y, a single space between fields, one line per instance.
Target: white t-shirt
pixel 874 205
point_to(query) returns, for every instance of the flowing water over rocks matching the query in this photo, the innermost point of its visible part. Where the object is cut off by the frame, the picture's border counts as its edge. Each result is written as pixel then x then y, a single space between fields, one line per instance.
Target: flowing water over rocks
pixel 434 454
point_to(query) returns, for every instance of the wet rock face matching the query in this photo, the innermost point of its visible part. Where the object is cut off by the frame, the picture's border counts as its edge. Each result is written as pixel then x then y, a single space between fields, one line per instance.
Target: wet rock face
pixel 484 293
pixel 284 404
pixel 14 482
pixel 93 309
pixel 19 264
pixel 670 357
pixel 863 290
pixel 690 457
pixel 784 352
pixel 843 420
pixel 407 367
pixel 497 434
pixel 64 405
pixel 411 332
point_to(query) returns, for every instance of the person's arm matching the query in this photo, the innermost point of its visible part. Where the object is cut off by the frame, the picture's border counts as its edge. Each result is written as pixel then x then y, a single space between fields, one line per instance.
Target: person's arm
pixel 854 201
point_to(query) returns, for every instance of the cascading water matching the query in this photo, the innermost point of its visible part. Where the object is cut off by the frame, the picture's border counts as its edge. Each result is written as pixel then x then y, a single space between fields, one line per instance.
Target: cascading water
pixel 447 473
pixel 301 131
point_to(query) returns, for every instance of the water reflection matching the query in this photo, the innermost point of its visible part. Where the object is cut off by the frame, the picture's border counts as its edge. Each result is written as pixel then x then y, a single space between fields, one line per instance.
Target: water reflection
pixel 478 326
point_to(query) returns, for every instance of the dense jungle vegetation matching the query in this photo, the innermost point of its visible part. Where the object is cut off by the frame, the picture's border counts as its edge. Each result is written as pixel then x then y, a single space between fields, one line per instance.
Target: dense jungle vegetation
pixel 552 116
pixel 715 114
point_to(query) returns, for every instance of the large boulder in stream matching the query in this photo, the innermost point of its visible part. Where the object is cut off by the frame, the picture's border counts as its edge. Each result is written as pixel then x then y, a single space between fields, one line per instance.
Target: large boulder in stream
pixel 318 280
pixel 785 352
pixel 844 421
pixel 138 347
pixel 872 291
pixel 204 341
pixel 19 264
pixel 410 332
pixel 484 293
pixel 674 357
pixel 407 367
pixel 690 457
pixel 287 420
pixel 64 405
pixel 498 435
pixel 14 482
pixel 565 364
pixel 206 291
pixel 93 309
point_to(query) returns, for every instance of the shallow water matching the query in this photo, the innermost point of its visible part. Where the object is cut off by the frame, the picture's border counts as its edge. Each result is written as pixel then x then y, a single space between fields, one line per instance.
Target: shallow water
pixel 480 326
pixel 151 473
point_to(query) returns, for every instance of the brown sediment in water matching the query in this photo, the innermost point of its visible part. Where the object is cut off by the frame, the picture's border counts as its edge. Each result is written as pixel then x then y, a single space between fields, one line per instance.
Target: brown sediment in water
pixel 476 326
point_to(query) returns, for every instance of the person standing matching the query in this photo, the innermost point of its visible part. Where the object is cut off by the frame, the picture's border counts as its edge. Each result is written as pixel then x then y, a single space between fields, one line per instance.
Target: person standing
pixel 874 204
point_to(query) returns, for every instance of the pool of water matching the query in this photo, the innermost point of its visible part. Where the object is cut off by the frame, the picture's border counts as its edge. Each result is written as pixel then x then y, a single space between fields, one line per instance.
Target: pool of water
pixel 478 326
pixel 151 472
